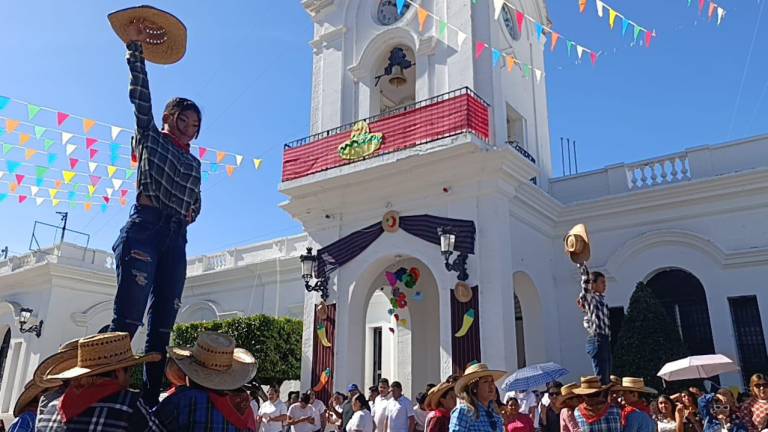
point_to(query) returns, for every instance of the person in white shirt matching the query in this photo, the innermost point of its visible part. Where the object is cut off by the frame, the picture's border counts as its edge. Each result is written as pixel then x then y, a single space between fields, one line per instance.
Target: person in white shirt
pixel 361 420
pixel 319 407
pixel 419 412
pixel 301 415
pixel 400 417
pixel 273 412
pixel 379 410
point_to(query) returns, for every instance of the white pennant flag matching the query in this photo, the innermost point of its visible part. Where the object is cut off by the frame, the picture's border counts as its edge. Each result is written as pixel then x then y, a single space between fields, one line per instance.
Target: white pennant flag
pixel 39 201
pixel 599 8
pixel 117 183
pixel 92 166
pixel 720 14
pixel 65 137
pixel 239 159
pixel 579 50
pixel 115 132
pixel 1 174
pixel 460 37
pixel 497 5
pixel 538 75
pixel 109 192
pixel 70 148
pixel 34 190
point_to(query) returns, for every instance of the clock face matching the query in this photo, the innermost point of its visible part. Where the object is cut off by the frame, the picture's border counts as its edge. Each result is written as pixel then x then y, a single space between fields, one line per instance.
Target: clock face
pixel 387 14
pixel 510 23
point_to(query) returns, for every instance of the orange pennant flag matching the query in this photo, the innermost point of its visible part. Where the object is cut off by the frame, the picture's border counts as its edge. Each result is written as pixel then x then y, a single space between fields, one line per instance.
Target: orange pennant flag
pixel 220 156
pixel 422 18
pixel 11 125
pixel 29 154
pixel 58 184
pixel 555 38
pixel 582 5
pixel 510 63
pixel 24 138
pixel 88 206
pixel 87 125
pixel 230 170
pixel 12 187
pixel 712 8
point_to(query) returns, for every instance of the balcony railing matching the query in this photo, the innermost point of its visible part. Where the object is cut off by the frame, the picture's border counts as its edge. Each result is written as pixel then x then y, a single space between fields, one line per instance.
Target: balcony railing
pixel 449 114
pixel 523 152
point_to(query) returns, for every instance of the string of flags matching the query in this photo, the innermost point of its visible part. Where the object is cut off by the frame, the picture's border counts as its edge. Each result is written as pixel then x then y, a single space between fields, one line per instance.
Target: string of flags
pixel 713 7
pixel 625 22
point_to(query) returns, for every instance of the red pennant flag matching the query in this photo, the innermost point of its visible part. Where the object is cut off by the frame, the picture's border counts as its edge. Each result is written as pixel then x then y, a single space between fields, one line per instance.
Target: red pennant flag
pixel 22 198
pixel 648 36
pixel 593 56
pixel 90 142
pixel 123 193
pixel 555 38
pixel 73 162
pixel 520 20
pixel 94 152
pixel 106 199
pixel 202 151
pixel 479 48
pixel 134 158
pixel 95 180
pixel 61 117
pixel 19 178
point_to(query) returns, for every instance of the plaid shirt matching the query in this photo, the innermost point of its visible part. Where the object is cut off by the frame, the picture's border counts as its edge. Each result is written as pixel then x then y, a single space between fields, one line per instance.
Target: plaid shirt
pixel 610 422
pixel 596 320
pixel 755 414
pixel 24 423
pixel 168 176
pixel 463 419
pixel 121 412
pixel 193 411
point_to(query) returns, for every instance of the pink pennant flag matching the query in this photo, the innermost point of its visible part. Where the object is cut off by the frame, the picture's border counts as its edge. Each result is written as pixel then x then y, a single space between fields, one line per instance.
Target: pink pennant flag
pixel 94 152
pixel 648 36
pixel 61 117
pixel 19 178
pixel 701 5
pixel 95 180
pixel 73 162
pixel 479 48
pixel 593 56
pixel 106 199
pixel 90 142
pixel 123 193
pixel 520 19
pixel 22 198
pixel 202 151
pixel 712 8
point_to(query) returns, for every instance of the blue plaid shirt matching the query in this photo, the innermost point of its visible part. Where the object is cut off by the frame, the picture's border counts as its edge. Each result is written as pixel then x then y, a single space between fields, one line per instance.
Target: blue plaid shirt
pixel 168 176
pixel 610 422
pixel 464 419
pixel 24 423
pixel 192 410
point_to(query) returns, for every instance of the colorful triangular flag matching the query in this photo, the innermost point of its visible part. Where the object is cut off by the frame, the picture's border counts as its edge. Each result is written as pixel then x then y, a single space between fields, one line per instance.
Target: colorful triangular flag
pixel 720 15
pixel 39 131
pixel 479 48
pixel 90 142
pixel 256 163
pixel 555 38
pixel 22 198
pixel 65 137
pixel 117 183
pixel 496 56
pixel 91 190
pixel 624 25
pixel 73 162
pixel 422 13
pixel 12 166
pixel 230 170
pixel 87 125
pixel 115 132
pixel 95 180
pixel 70 148
pixel 238 159
pixel 52 157
pixel 600 6
pixel 460 38
pixel 41 171
pixel 579 51
pixel 111 170
pixel 11 125
pixel 24 139
pixel 68 176
pixel 129 173
pixel 7 148
pixel 582 5
pixel 87 206
pixel 201 151
pixel 4 101
pixel 520 20
pixel 92 166
pixel 497 6
pixel 61 118
pixel 32 111
pixel 53 192
pixel 55 202
pixel 34 190
pixel 48 143
pixel 94 152
pixel 39 201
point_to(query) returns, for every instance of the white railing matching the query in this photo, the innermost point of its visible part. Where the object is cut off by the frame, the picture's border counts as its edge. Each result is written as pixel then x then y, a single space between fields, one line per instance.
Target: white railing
pixel 218 261
pixel 669 169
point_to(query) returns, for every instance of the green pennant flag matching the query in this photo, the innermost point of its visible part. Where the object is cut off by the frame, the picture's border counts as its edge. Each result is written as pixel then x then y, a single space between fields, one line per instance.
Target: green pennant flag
pixel 39 131
pixel 32 110
pixel 527 70
pixel 6 148
pixel 129 174
pixel 76 187
pixel 41 171
pixel 48 144
pixel 637 32
pixel 443 29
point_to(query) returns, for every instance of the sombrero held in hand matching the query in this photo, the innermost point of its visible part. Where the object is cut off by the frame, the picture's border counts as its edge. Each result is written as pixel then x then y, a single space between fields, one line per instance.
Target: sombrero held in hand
pixel 166 40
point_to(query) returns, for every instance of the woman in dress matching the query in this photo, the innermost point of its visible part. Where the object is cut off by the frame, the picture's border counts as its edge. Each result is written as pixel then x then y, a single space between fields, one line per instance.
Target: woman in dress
pixel 361 419
pixel 514 421
pixel 666 416
pixel 754 411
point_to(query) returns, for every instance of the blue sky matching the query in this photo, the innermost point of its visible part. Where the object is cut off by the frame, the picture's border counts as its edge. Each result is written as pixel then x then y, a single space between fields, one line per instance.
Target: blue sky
pixel 248 65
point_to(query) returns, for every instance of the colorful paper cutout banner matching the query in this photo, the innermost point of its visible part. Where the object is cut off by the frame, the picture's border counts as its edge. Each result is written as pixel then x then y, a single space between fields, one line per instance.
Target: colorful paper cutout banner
pixel 601 6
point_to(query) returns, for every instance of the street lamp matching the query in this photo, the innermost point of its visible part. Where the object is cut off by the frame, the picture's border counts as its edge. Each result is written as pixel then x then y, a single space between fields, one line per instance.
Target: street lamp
pixel 447 243
pixel 308 269
pixel 24 315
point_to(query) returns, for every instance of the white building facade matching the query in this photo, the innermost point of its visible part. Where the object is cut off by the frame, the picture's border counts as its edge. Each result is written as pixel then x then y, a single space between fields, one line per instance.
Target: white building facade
pixel 461 143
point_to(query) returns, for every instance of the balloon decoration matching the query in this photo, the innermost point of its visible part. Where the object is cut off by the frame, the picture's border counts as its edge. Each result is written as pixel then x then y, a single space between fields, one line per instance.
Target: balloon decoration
pixel 400 281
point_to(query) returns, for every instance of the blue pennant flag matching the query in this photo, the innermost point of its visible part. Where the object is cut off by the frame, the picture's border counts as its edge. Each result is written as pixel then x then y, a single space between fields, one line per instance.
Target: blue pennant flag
pixel 71 195
pixel 214 168
pixel 624 25
pixel 4 101
pixel 52 158
pixel 114 148
pixel 496 57
pixel 539 31
pixel 400 6
pixel 104 208
pixel 113 158
pixel 12 166
pixel 39 182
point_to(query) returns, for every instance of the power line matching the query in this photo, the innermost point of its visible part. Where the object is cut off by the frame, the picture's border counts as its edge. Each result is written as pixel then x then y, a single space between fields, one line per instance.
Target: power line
pixel 746 68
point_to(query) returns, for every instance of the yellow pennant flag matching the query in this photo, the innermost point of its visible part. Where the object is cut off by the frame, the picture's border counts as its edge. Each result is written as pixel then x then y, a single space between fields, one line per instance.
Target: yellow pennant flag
pixel 422 18
pixel 24 138
pixel 230 170
pixel 29 154
pixel 256 163
pixel 68 176
pixel 53 193
pixel 87 125
pixel 220 156
pixel 611 17
pixel 11 125
pixel 55 202
pixel 91 190
pixel 111 170
pixel 88 206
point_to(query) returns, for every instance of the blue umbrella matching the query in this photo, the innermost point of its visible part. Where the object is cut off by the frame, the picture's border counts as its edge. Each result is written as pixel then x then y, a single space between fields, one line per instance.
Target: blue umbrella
pixel 531 377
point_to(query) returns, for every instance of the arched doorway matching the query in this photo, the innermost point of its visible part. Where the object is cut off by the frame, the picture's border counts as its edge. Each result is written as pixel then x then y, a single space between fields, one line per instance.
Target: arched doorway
pixel 4 347
pixel 529 323
pixel 683 297
pixel 403 343
pixel 519 333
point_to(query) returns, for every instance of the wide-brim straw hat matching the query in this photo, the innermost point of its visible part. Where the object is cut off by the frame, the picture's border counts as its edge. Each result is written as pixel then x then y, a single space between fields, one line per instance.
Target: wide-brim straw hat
pixel 433 397
pixel 590 385
pixel 474 372
pixel 463 292
pixel 636 385
pixel 65 358
pixel 167 41
pixel 566 392
pixel 577 244
pixel 214 362
pixel 30 392
pixel 102 353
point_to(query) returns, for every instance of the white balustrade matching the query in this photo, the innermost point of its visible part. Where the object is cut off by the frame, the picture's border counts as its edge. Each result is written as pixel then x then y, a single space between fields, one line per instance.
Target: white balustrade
pixel 666 170
pixel 218 261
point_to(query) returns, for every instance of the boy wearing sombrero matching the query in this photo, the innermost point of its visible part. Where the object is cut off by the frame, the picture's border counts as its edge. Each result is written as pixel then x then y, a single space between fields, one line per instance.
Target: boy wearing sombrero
pixel 595 414
pixel 96 396
pixel 150 251
pixel 635 412
pixel 213 398
pixel 441 400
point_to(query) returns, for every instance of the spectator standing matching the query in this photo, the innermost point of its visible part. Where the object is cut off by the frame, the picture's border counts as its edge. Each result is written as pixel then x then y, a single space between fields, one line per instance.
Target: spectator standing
pixel 273 412
pixel 754 411
pixel 400 416
pixel 301 415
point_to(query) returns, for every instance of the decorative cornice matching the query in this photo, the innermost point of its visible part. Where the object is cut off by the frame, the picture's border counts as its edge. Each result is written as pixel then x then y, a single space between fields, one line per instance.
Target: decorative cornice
pixel 327 37
pixel 316 7
pixel 427 45
pixel 81 319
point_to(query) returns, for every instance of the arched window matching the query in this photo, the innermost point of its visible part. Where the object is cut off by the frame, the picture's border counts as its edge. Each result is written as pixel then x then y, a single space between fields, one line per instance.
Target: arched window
pixel 520 332
pixel 4 351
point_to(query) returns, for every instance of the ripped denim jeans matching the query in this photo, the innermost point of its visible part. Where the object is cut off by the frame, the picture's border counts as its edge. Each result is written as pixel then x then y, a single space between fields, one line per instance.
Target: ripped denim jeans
pixel 151 264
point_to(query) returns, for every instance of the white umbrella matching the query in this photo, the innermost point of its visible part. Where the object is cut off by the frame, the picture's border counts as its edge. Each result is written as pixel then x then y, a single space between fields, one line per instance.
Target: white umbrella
pixel 702 366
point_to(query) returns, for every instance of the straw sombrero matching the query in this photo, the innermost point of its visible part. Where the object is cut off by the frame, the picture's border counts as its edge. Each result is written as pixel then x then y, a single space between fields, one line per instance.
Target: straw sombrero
pixel 566 392
pixel 65 358
pixel 102 353
pixel 475 372
pixel 434 395
pixel 635 385
pixel 577 244
pixel 462 292
pixel 31 391
pixel 214 362
pixel 167 41
pixel 590 385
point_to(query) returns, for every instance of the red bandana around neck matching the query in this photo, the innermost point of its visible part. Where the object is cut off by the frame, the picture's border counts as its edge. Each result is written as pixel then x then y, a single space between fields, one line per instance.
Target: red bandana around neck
pixel 593 415
pixel 630 408
pixel 176 142
pixel 236 408
pixel 76 400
